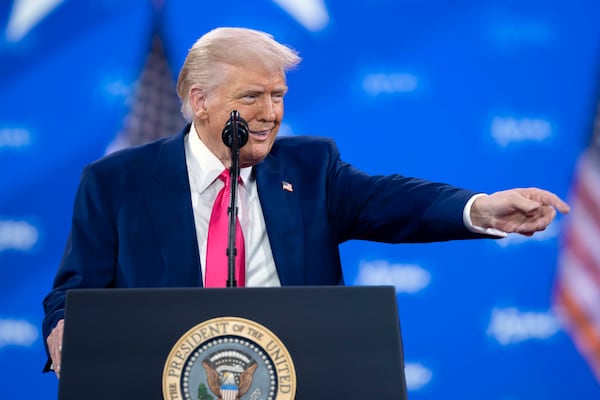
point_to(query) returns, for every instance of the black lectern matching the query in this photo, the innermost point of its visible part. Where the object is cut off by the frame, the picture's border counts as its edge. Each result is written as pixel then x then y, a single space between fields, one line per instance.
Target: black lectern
pixel 244 343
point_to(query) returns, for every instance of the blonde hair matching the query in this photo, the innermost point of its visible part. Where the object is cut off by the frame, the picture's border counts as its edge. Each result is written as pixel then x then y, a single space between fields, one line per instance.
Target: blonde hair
pixel 232 46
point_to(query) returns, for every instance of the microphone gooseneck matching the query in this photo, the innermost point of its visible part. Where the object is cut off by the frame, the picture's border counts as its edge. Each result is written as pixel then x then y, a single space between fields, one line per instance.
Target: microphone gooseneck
pixel 235 136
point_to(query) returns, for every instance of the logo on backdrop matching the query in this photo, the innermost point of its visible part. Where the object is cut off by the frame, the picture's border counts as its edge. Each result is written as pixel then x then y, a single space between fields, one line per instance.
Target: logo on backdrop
pixel 229 358
pixel 511 325
pixel 406 278
pixel 376 84
pixel 17 332
pixel 18 235
pixel 507 130
pixel 15 138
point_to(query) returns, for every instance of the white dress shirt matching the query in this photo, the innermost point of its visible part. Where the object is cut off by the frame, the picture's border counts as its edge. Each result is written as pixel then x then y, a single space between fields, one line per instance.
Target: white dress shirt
pixel 204 169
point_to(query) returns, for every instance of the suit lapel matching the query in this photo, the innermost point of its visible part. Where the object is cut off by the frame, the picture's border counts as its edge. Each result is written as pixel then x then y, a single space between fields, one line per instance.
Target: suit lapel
pixel 169 200
pixel 281 209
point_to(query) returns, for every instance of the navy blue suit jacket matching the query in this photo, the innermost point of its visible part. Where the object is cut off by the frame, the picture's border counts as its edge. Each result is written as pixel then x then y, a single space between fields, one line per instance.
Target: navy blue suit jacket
pixel 133 224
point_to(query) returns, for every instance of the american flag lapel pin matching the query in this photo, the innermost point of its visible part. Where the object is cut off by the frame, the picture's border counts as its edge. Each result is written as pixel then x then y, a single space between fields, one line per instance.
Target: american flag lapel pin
pixel 287 186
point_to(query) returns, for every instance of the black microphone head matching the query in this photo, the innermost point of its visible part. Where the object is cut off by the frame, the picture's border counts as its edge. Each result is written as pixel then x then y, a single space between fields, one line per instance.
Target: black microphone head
pixel 235 121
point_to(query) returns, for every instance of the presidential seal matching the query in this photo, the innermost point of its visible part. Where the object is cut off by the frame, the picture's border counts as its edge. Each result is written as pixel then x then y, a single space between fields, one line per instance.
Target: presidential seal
pixel 229 358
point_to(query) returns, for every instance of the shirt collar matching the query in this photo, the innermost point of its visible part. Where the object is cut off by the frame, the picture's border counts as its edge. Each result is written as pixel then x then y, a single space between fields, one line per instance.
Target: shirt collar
pixel 209 165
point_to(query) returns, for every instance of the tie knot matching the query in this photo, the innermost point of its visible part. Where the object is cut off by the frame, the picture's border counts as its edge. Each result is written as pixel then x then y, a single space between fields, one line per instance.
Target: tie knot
pixel 225 176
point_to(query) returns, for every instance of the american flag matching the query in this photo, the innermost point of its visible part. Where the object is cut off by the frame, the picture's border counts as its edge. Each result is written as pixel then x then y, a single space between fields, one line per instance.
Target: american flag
pixel 154 111
pixel 287 186
pixel 577 290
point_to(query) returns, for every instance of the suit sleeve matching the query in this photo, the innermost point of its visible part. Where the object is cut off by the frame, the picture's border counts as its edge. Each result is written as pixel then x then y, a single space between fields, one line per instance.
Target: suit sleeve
pixel 395 208
pixel 90 253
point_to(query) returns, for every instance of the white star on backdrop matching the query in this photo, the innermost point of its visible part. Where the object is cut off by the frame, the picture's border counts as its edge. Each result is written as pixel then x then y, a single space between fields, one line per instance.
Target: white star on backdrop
pixel 25 15
pixel 311 14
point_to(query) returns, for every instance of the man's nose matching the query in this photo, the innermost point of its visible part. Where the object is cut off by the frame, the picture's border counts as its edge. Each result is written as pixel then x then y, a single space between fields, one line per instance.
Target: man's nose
pixel 267 111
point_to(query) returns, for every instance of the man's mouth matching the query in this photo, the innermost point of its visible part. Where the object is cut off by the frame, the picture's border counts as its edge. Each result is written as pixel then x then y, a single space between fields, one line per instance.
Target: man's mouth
pixel 260 134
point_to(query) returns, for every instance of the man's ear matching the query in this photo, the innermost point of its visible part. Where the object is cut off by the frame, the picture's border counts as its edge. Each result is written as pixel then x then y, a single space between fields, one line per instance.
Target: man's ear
pixel 198 103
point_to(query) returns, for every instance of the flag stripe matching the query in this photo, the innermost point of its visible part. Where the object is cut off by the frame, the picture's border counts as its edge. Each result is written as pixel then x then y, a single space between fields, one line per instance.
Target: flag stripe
pixel 586 336
pixel 588 189
pixel 585 231
pixel 576 280
pixel 576 246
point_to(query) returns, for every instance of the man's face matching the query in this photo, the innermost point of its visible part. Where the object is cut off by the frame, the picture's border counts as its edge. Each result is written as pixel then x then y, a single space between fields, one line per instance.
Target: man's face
pixel 257 94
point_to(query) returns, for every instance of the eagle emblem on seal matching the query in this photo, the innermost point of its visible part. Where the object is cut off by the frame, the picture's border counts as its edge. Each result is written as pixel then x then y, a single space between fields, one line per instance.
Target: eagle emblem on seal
pixel 229 373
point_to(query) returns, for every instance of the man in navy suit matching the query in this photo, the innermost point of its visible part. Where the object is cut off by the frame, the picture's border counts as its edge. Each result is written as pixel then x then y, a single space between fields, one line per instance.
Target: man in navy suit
pixel 141 215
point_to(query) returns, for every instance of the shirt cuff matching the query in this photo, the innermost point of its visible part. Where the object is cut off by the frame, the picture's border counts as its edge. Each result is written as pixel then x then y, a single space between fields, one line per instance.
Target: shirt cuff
pixel 477 229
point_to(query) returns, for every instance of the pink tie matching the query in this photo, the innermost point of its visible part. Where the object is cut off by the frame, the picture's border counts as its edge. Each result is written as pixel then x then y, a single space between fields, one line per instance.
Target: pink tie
pixel 216 248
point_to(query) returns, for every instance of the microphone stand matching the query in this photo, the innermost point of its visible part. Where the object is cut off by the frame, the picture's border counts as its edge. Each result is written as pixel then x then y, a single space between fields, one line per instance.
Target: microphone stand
pixel 234 173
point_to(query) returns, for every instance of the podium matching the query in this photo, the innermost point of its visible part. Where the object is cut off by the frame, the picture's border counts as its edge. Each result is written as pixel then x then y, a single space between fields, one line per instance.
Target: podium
pixel 242 343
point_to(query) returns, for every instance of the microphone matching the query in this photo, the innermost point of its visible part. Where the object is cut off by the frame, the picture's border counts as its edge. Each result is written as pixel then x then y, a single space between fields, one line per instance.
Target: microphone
pixel 235 125
pixel 235 135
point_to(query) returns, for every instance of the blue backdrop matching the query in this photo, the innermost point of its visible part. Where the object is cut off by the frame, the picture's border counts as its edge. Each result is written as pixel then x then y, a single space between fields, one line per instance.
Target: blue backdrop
pixel 493 95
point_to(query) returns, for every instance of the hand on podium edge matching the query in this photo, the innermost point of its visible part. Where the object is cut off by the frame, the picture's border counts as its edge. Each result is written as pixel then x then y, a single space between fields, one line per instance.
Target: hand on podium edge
pixel 55 342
